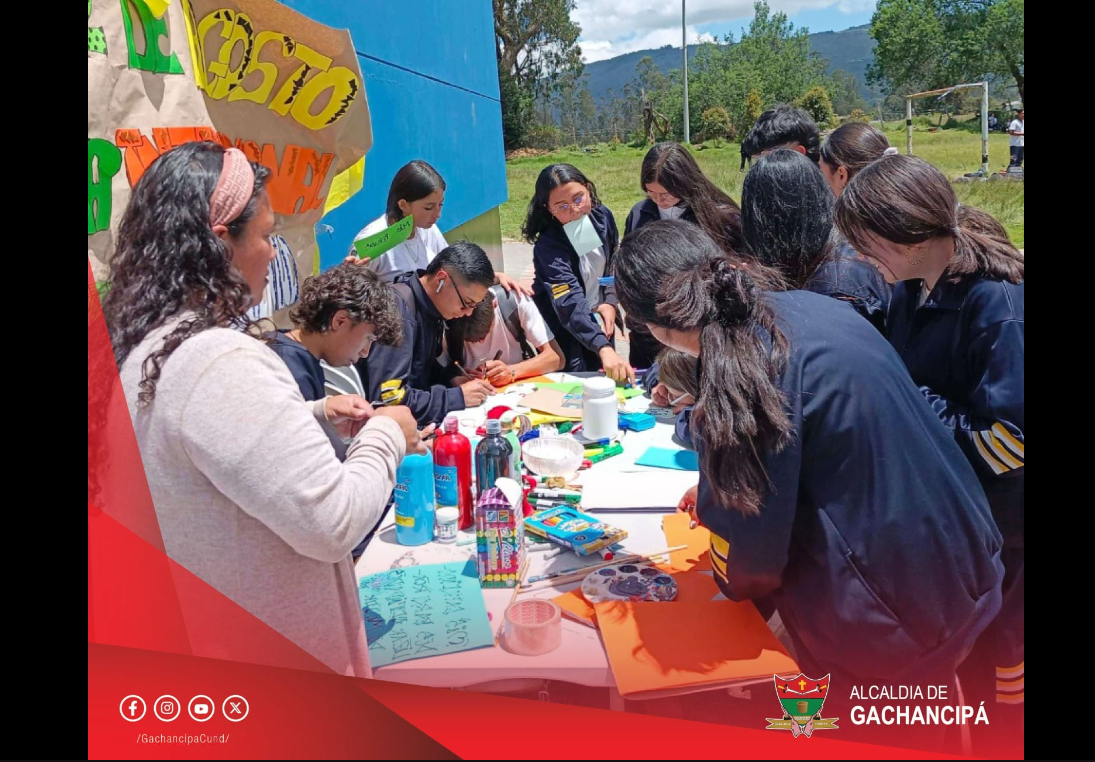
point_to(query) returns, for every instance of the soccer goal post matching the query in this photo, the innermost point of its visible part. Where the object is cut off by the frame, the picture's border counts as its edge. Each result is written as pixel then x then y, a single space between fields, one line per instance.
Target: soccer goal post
pixel 943 93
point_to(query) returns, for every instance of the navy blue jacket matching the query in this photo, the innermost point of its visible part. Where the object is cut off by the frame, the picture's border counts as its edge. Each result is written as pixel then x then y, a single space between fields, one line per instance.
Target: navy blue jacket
pixel 410 374
pixel 964 349
pixel 558 289
pixel 843 275
pixel 875 542
pixel 304 366
pixel 646 211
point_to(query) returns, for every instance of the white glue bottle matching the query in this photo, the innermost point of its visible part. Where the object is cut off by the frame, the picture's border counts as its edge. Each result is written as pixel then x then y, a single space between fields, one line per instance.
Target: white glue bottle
pixel 600 419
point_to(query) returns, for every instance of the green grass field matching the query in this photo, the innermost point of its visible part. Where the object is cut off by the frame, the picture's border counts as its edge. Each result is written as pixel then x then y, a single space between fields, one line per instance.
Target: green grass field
pixel 616 175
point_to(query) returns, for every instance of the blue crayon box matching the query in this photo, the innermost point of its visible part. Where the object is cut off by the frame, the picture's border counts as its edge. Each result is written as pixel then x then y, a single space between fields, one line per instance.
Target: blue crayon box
pixel 572 528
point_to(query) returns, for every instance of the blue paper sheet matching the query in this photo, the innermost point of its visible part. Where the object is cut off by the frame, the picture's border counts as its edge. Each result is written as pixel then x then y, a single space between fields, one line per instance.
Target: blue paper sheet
pixel 423 611
pixel 663 457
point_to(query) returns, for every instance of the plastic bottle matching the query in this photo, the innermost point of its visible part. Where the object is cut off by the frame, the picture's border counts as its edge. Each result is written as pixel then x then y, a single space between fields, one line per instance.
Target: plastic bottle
pixel 414 500
pixel 493 457
pixel 599 409
pixel 452 471
pixel 509 431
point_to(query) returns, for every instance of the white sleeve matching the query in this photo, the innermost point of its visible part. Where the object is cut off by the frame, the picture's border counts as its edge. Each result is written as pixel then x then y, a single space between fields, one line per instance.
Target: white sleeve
pixel 533 322
pixel 437 243
pixel 247 429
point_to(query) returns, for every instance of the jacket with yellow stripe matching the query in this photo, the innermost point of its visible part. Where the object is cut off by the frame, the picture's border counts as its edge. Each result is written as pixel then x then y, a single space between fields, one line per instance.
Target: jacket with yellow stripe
pixel 558 289
pixel 874 540
pixel 410 374
pixel 964 349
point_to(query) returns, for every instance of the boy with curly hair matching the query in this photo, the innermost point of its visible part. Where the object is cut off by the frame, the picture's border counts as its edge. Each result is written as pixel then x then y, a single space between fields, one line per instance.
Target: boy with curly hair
pixel 341 313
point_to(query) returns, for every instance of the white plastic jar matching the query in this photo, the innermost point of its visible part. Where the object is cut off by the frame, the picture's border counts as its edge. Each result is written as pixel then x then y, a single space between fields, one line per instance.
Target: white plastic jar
pixel 600 419
pixel 446 518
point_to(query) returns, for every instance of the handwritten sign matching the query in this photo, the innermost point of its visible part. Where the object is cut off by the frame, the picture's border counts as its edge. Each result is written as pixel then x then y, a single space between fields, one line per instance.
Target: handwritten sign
pixel 388 238
pixel 422 611
pixel 253 74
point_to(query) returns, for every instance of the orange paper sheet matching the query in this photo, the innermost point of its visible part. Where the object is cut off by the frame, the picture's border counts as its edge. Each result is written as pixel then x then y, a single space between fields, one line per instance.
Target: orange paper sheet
pixel 693 586
pixel 660 649
pixel 697 554
pixel 576 605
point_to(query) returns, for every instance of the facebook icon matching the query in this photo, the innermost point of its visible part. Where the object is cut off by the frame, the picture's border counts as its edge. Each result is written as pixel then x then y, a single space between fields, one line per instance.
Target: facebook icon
pixel 132 708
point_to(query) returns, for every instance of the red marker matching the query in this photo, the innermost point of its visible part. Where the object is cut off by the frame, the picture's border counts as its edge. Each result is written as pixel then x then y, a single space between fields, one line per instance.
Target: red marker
pixel 606 554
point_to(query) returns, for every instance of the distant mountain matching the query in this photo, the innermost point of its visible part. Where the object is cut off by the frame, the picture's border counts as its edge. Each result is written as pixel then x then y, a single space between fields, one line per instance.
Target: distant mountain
pixel 851 50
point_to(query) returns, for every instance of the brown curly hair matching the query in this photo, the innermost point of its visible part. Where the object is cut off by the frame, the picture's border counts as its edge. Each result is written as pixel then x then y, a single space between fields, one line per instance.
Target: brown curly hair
pixel 353 288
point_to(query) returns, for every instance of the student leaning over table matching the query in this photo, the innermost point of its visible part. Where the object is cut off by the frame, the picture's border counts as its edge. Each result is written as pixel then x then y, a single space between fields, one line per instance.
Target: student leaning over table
pixel 957 320
pixel 341 312
pixel 829 487
pixel 411 372
pixel 501 350
pixel 248 493
pixel 787 220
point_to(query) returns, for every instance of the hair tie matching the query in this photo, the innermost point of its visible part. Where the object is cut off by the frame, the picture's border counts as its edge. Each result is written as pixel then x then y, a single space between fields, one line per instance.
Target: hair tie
pixel 891 151
pixel 234 188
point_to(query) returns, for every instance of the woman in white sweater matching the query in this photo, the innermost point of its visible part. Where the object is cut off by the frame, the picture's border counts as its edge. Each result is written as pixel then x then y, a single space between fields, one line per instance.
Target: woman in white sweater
pixel 248 491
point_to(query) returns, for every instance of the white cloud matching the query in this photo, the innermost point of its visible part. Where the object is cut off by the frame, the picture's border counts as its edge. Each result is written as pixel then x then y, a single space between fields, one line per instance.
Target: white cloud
pixel 614 27
pixel 599 50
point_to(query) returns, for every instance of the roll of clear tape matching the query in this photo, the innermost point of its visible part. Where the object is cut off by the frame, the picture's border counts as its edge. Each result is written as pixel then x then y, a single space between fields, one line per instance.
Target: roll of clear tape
pixel 533 626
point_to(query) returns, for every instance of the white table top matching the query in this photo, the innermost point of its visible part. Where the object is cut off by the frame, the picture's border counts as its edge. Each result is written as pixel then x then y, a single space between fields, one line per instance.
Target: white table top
pixel 581 657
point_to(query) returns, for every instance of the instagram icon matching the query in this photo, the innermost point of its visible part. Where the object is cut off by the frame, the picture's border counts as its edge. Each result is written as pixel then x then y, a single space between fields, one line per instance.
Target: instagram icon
pixel 167 708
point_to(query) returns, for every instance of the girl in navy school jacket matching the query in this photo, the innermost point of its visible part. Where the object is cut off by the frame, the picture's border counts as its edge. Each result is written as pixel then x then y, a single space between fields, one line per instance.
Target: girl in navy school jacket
pixel 676 188
pixel 957 320
pixel 831 490
pixel 568 288
pixel 787 220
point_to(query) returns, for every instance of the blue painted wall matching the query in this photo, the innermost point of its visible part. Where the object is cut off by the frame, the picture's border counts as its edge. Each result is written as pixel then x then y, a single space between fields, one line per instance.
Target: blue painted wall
pixel 431 78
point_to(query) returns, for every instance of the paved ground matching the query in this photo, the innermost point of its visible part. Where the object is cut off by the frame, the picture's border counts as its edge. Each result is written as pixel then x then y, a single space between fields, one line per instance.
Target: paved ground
pixel 518 258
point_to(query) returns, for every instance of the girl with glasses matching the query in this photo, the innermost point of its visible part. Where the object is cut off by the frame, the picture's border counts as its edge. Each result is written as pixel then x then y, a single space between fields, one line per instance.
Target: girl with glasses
pixel 575 238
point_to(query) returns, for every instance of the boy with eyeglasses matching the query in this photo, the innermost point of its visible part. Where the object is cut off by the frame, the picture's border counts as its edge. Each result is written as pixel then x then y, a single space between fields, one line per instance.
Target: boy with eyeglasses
pixel 409 373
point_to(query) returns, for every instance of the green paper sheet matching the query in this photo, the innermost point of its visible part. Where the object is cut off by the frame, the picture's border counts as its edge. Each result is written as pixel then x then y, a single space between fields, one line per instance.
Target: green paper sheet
pixel 388 238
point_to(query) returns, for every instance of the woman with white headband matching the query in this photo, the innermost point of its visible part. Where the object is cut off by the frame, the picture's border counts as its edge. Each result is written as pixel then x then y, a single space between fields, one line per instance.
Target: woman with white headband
pixel 248 493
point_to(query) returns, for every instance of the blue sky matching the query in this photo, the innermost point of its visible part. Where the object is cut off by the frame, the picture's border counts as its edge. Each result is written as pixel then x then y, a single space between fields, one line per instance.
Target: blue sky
pixel 614 27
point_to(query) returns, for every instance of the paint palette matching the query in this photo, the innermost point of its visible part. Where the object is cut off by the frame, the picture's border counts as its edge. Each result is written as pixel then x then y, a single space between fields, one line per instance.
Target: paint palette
pixel 629 582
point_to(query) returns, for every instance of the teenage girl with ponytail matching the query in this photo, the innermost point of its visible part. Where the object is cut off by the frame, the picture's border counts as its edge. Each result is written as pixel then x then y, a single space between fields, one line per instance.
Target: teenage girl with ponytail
pixel 957 319
pixel 849 149
pixel 814 447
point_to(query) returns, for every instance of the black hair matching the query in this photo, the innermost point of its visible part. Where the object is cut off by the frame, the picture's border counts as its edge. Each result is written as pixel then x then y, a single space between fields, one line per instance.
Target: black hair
pixel 671 165
pixel 168 259
pixel 467 260
pixel 473 328
pixel 785 125
pixel 670 273
pixel 539 217
pixel 413 182
pixel 787 214
pixel 356 289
